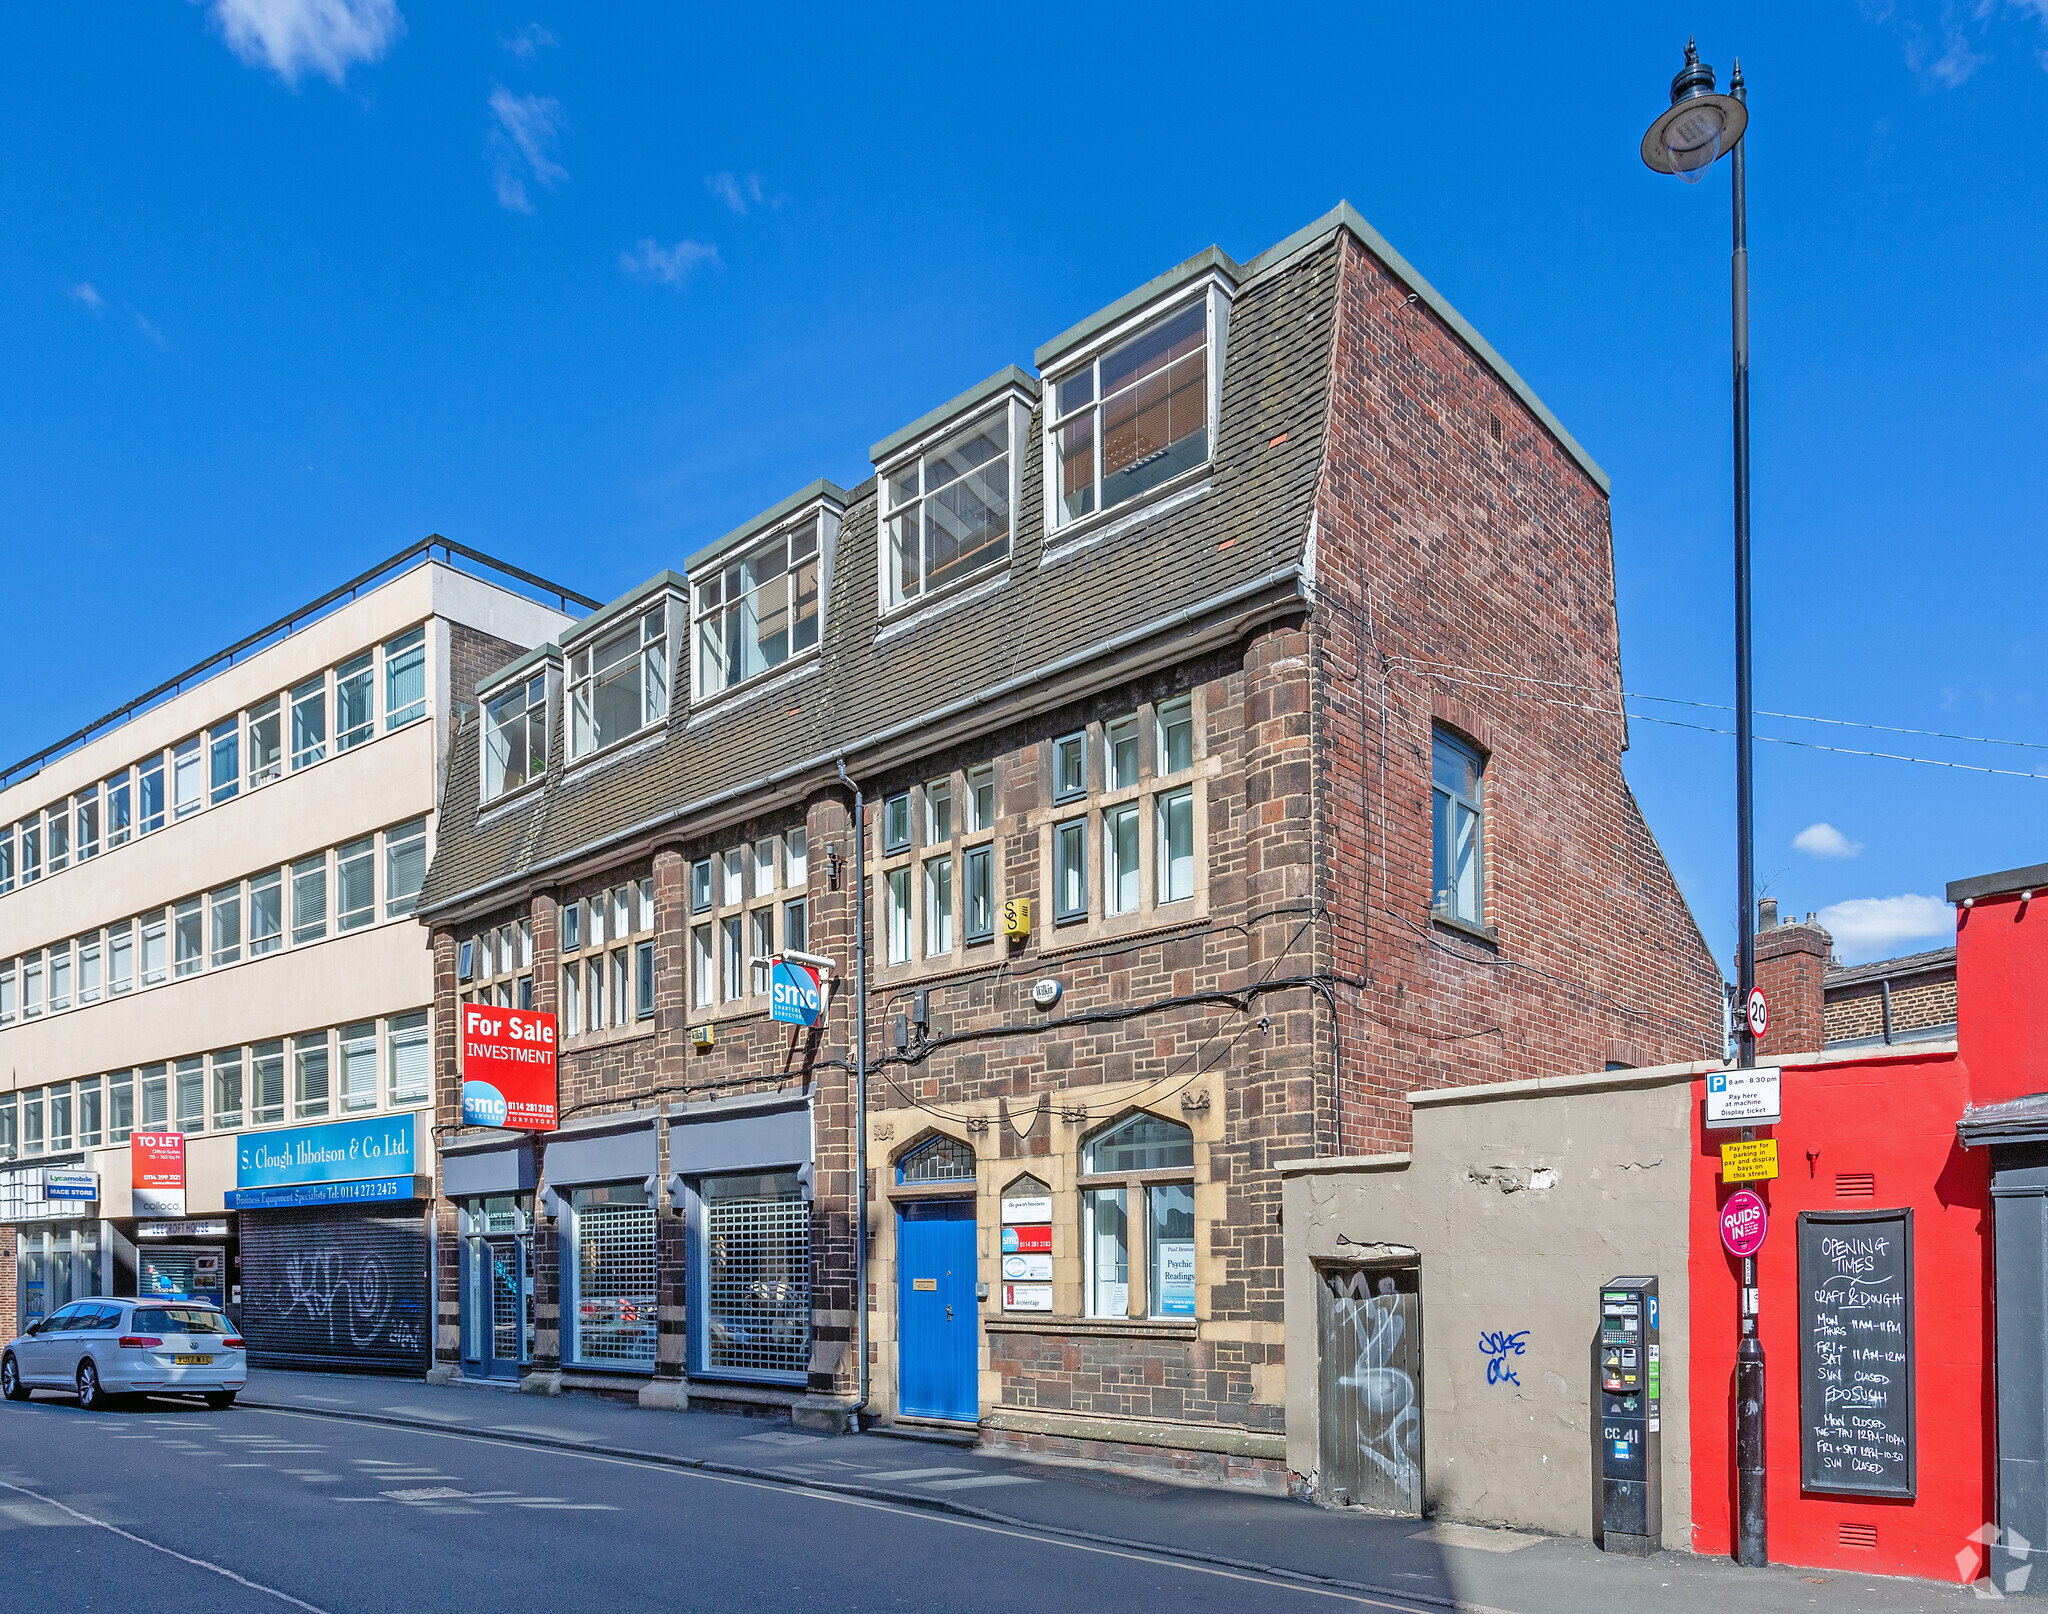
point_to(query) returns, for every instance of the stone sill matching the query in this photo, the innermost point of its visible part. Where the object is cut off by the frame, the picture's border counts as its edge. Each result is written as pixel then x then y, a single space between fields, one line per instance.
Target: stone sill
pixel 1098 1327
pixel 1485 935
pixel 1141 1432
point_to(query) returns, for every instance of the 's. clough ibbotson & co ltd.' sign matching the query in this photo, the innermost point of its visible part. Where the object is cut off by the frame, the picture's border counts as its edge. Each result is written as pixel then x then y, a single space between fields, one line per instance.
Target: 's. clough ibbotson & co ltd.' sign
pixel 338 1162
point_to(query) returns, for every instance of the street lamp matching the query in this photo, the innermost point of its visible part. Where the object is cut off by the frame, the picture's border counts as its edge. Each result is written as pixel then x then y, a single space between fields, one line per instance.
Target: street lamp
pixel 1686 140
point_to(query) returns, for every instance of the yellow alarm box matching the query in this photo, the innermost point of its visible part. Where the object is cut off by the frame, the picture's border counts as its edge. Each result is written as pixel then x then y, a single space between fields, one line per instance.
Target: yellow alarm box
pixel 1017 917
pixel 700 1037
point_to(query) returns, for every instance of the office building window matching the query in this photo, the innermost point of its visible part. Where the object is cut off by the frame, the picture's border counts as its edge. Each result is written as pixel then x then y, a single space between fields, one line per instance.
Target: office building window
pixel 896 823
pixel 758 610
pixel 1069 767
pixel 120 957
pixel 796 933
pixel 1132 418
pixel 120 1106
pixel 309 1075
pixel 227 1088
pixel 155 950
pixel 224 749
pixel 57 831
pixel 355 702
pixel 120 810
pixel 619 686
pixel 149 795
pixel 405 678
pixel 1166 1217
pixel 897 885
pixel 516 736
pixel 309 722
pixel 355 881
pixel 410 1054
pixel 89 968
pixel 359 1066
pixel 1175 726
pixel 938 906
pixel 948 511
pixel 1120 742
pixel 266 912
pixel 266 741
pixel 226 904
pixel 1174 855
pixel 190 1085
pixel 188 948
pixel 1120 884
pixel 405 867
pixel 1070 871
pixel 87 808
pixel 266 1082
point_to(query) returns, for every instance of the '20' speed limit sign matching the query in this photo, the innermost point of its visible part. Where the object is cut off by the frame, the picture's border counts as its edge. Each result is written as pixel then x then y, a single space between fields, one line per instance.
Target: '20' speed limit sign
pixel 1759 1012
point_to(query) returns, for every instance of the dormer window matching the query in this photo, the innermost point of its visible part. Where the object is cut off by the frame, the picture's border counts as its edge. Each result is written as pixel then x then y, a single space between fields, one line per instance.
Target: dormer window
pixel 619 684
pixel 516 736
pixel 1132 417
pixel 758 609
pixel 948 511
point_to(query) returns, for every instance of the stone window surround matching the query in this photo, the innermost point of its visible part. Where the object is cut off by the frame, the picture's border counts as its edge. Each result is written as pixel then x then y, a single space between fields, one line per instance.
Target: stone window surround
pixel 1150 914
pixel 636 1027
pixel 749 1004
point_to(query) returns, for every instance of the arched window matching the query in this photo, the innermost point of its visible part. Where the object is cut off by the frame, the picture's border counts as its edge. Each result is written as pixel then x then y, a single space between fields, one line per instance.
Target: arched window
pixel 941 1160
pixel 1132 1206
pixel 1139 1143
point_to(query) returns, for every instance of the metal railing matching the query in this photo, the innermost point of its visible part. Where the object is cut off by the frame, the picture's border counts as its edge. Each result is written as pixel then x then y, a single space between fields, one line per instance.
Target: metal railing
pixel 284 628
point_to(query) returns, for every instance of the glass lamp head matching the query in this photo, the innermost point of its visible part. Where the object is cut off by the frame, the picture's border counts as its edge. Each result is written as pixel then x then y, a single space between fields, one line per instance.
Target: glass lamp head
pixel 1698 126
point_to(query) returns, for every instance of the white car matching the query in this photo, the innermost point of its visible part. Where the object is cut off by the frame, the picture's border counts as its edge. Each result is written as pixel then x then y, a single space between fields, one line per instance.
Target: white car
pixel 98 1349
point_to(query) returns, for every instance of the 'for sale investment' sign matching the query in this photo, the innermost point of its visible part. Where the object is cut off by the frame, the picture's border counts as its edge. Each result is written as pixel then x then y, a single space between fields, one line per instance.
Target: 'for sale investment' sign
pixel 156 1166
pixel 508 1068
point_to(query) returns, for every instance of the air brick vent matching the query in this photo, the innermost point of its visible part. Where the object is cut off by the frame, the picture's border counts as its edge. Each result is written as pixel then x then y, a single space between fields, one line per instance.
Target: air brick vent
pixel 1862 1536
pixel 1855 1185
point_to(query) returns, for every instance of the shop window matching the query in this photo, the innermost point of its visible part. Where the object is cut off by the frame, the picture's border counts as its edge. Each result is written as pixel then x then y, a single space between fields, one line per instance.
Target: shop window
pixel 1147 1217
pixel 753 1272
pixel 940 1160
pixel 610 1303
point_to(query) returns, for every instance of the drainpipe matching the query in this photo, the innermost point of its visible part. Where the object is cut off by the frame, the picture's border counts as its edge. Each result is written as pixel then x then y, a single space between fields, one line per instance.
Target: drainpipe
pixel 860 1088
pixel 1886 985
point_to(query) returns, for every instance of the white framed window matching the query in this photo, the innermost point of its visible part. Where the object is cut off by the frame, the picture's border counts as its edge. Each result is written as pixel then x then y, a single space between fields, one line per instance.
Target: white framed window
pixel 266 741
pixel 732 961
pixel 189 1083
pixel 405 866
pixel 309 900
pixel 120 1105
pixel 58 830
pixel 266 912
pixel 226 906
pixel 572 997
pixel 796 858
pixel 188 937
pixel 355 884
pixel 89 959
pixel 31 852
pixel 6 857
pixel 1459 851
pixel 1174 853
pixel 619 684
pixel 359 1066
pixel 153 1097
pixel 1070 871
pixel 1120 875
pixel 1133 416
pixel 120 958
pixel 309 722
pixel 981 798
pixel 735 877
pixel 646 904
pixel 938 812
pixel 60 977
pixel 1164 1218
pixel 224 754
pixel 188 790
pixel 796 928
pixel 91 1117
pixel 309 1075
pixel 266 1082
pixel 703 968
pixel 409 1058
pixel 86 808
pixel 405 678
pixel 120 821
pixel 764 866
pixel 1174 725
pixel 32 986
pixel 761 945
pixel 155 950
pixel 515 736
pixel 896 884
pixel 149 795
pixel 948 511
pixel 355 703
pixel 759 609
pixel 227 1089
pixel 1120 745
pixel 9 1004
pixel 938 907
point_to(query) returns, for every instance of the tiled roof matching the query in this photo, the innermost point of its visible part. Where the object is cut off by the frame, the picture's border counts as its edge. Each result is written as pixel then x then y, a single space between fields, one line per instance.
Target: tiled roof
pixel 1200 555
pixel 1936 961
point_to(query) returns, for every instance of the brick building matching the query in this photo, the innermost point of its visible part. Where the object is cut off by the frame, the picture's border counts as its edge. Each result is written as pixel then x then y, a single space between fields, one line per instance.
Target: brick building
pixel 1818 1002
pixel 1197 695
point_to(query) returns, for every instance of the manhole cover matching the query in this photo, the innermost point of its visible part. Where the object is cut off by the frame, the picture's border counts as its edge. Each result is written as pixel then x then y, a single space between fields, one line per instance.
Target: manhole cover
pixel 425 1493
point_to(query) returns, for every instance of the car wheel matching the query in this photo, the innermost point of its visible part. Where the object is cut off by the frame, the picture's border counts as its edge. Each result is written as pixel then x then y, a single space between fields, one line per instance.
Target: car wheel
pixel 220 1400
pixel 90 1398
pixel 10 1379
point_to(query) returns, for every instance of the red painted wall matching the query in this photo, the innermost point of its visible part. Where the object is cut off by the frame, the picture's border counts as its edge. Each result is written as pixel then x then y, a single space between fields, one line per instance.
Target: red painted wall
pixel 2002 996
pixel 1895 1118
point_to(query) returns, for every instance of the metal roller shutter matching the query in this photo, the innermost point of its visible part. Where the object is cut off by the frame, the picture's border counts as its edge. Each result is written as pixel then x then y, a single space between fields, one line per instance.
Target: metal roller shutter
pixel 335 1289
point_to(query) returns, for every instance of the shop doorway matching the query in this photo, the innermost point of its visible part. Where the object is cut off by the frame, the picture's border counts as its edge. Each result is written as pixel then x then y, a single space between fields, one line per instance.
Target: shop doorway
pixel 938 1331
pixel 1370 1323
pixel 182 1272
pixel 497 1287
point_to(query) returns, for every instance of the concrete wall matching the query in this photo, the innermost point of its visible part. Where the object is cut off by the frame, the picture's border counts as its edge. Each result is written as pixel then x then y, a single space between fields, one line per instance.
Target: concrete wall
pixel 1522 1199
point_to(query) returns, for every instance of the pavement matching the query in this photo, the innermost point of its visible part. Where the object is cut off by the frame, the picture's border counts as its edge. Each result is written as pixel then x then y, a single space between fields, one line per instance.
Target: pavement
pixel 331 1494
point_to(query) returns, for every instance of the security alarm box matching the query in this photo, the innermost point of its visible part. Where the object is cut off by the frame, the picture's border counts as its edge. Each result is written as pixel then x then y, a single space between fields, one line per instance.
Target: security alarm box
pixel 1631 1437
pixel 1017 917
pixel 700 1037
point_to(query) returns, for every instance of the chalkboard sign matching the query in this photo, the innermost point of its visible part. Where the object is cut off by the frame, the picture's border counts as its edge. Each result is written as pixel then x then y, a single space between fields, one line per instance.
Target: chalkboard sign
pixel 1856 1352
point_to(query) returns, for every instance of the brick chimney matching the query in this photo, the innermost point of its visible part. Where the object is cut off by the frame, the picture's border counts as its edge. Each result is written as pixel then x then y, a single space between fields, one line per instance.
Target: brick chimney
pixel 1791 963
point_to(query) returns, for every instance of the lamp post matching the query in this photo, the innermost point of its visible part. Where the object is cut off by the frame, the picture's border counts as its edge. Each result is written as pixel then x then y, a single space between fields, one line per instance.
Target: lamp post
pixel 1686 140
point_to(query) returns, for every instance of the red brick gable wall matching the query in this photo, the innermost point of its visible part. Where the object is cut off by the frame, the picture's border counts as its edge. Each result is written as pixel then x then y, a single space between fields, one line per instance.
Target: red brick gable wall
pixel 1464 573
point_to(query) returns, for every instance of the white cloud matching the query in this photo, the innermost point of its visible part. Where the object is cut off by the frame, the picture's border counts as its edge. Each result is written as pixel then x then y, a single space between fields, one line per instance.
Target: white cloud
pixel 528 42
pixel 523 143
pixel 1871 927
pixel 738 191
pixel 291 37
pixel 1824 840
pixel 668 266
pixel 1949 64
pixel 85 292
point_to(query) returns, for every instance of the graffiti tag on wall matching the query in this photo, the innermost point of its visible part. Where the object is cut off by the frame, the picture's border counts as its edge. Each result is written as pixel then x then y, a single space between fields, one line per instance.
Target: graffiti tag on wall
pixel 1497 1346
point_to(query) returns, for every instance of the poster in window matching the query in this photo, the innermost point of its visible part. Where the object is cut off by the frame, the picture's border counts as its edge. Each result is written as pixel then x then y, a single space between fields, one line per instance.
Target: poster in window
pixel 1177 1279
pixel 508 1068
pixel 156 1165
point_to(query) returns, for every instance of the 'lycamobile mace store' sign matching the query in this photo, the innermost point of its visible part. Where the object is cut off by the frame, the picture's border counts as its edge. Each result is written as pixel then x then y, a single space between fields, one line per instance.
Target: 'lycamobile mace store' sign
pixel 340 1163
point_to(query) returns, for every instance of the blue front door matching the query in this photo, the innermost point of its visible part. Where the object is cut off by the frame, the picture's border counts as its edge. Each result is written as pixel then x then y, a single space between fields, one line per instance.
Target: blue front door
pixel 939 1334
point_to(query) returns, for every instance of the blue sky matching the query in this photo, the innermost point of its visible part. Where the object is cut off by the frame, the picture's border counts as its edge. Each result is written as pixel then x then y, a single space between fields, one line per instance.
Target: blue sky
pixel 287 284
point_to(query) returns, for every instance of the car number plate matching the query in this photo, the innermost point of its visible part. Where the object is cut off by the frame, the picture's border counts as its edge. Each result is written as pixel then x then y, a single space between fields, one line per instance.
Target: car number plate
pixel 193 1361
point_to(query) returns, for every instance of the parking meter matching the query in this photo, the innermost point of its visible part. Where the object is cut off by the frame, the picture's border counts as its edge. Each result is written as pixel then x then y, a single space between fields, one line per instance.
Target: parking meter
pixel 1631 1442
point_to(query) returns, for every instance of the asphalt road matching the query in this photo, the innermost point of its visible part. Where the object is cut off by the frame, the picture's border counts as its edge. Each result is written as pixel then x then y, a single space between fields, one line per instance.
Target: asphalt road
pixel 171 1506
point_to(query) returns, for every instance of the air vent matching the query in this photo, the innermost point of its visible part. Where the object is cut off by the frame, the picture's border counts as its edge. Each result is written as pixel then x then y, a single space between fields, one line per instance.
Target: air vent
pixel 1855 1185
pixel 1862 1536
pixel 1495 419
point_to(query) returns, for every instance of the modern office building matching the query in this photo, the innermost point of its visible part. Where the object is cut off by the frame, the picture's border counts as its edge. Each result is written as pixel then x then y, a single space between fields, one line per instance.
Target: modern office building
pixel 1178 709
pixel 209 966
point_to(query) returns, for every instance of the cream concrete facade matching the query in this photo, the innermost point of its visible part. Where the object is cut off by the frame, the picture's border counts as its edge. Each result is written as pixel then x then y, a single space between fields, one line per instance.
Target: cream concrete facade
pixel 1521 1199
pixel 367 974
